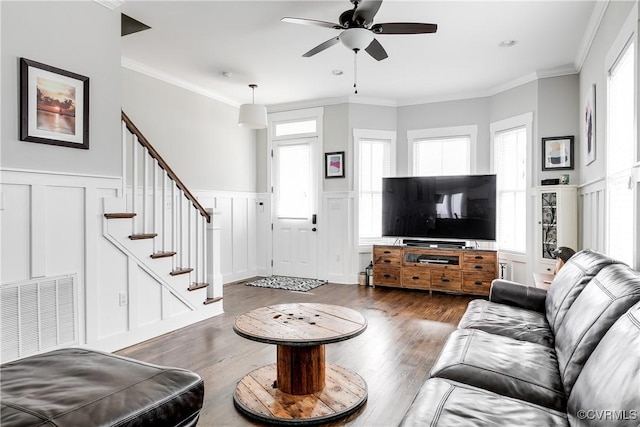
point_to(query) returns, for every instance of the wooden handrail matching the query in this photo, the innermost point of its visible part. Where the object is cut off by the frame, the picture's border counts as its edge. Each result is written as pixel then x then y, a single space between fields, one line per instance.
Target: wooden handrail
pixel 152 151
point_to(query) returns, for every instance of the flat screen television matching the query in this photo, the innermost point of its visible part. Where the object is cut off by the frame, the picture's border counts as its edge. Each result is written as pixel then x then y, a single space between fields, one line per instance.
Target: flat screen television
pixel 440 207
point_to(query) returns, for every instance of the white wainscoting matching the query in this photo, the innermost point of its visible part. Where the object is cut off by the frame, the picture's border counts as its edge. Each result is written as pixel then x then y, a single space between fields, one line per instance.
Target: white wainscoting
pixel 244 223
pixel 338 251
pixel 51 223
pixel 591 215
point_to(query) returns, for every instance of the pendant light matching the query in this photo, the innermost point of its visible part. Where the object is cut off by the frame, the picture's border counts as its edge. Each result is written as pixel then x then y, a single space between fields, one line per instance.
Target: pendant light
pixel 253 116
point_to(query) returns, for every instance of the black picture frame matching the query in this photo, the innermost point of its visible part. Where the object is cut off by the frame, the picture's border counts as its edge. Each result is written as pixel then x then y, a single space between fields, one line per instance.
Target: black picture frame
pixel 557 153
pixel 54 105
pixel 334 164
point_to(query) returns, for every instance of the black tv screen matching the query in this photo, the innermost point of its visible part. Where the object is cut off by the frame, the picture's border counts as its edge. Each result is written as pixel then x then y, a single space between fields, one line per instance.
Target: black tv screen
pixel 443 207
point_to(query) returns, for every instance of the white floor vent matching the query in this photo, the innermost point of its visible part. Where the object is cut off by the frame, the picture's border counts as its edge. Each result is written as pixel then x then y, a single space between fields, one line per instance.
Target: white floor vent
pixel 39 315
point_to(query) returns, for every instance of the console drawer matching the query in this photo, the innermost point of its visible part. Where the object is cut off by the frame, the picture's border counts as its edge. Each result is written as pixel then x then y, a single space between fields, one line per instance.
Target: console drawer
pixel 386 276
pixel 479 257
pixel 488 269
pixel 443 279
pixel 476 283
pixel 416 278
pixel 387 255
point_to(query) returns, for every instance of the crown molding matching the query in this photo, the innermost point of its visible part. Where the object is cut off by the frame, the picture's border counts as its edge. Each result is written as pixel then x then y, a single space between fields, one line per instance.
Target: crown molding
pixel 559 71
pixel 599 9
pixel 323 102
pixel 110 4
pixel 168 78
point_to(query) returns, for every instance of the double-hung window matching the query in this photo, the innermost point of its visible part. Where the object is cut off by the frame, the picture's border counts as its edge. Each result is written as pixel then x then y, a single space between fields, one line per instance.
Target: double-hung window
pixel 441 151
pixel 374 159
pixel 621 153
pixel 510 142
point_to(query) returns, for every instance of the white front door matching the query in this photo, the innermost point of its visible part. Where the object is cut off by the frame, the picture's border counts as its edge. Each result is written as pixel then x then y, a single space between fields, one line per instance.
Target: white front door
pixel 295 182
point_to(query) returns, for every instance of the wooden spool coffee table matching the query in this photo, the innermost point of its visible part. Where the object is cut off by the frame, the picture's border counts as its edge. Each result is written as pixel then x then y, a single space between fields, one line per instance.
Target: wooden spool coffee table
pixel 300 388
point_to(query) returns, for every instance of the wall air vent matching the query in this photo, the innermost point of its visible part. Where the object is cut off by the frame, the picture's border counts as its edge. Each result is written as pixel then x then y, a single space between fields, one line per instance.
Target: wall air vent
pixel 39 315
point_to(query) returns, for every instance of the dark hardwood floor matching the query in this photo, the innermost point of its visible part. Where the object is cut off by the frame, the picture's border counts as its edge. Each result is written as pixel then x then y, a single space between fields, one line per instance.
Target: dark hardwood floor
pixel 406 330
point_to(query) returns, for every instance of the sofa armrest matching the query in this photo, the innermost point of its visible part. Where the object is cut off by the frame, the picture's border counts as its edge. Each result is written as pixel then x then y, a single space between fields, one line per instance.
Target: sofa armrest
pixel 518 295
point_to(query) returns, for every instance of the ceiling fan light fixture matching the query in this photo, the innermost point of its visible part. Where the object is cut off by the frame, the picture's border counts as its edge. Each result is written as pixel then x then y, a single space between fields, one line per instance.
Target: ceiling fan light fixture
pixel 253 116
pixel 356 38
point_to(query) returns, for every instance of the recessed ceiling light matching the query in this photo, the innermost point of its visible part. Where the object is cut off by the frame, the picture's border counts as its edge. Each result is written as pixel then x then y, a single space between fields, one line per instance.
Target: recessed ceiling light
pixel 508 43
pixel 337 72
pixel 226 74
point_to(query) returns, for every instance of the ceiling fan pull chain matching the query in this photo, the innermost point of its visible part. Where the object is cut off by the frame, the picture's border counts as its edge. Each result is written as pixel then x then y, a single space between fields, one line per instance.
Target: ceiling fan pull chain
pixel 355 70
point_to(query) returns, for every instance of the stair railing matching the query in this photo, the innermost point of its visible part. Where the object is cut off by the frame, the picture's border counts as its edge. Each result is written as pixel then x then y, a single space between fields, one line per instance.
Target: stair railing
pixel 181 233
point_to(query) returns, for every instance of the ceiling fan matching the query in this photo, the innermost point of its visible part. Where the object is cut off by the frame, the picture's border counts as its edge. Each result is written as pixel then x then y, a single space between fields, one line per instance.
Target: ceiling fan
pixel 359 31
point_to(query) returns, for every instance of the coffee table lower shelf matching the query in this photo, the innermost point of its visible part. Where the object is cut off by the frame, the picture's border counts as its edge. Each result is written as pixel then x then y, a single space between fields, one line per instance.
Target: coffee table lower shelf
pixel 344 393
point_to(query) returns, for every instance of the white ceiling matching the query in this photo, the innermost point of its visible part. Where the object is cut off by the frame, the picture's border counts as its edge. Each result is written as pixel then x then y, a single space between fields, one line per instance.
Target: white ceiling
pixel 192 43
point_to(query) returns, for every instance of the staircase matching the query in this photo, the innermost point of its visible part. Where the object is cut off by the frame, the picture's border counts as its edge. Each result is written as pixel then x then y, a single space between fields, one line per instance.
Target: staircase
pixel 162 228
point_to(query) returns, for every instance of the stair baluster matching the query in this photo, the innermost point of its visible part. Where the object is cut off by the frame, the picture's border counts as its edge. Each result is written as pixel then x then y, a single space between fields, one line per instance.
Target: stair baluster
pixel 183 233
pixel 134 180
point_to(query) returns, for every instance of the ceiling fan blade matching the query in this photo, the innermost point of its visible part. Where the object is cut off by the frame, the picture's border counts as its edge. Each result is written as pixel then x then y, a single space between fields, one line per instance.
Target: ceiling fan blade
pixel 404 28
pixel 376 50
pixel 366 11
pixel 321 47
pixel 305 21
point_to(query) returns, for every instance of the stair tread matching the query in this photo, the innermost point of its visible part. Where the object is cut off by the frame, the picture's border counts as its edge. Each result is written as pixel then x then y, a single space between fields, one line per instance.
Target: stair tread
pixel 212 300
pixel 162 254
pixel 119 215
pixel 143 236
pixel 195 286
pixel 178 271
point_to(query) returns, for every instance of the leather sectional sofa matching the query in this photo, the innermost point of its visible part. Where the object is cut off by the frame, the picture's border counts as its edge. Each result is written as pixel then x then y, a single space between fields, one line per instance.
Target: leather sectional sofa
pixel 527 357
pixel 77 387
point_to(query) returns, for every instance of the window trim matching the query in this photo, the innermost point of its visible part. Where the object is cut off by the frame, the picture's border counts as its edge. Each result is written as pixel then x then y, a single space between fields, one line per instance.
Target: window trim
pixel 359 134
pixel 444 132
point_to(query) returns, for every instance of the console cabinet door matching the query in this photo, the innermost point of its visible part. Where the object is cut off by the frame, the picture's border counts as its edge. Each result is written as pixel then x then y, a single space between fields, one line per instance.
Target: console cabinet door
pixel 476 283
pixel 416 278
pixel 387 276
pixel 557 223
pixel 444 279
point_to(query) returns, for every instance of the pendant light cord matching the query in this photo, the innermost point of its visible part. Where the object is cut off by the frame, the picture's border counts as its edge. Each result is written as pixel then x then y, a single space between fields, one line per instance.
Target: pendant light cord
pixel 355 70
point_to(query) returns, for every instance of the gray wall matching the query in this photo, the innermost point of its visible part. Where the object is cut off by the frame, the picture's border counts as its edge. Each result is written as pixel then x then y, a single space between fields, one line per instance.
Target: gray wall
pixel 198 136
pixel 81 37
pixel 593 72
pixel 464 112
pixel 336 137
pixel 558 106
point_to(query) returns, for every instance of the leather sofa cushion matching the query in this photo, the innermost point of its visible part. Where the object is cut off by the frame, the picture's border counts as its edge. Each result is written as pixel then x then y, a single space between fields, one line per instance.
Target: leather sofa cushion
pixel 503 365
pixel 502 319
pixel 79 387
pixel 569 283
pixel 446 403
pixel 614 290
pixel 608 383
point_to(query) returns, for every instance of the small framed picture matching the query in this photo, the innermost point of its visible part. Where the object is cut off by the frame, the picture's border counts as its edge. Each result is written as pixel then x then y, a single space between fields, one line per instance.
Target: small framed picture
pixel 557 153
pixel 334 165
pixel 54 105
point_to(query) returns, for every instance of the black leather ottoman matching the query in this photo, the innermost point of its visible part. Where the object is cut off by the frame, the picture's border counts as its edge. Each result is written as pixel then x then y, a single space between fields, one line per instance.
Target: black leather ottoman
pixel 79 387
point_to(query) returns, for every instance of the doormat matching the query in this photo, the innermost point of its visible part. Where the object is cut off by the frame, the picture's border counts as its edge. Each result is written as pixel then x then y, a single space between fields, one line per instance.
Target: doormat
pixel 287 283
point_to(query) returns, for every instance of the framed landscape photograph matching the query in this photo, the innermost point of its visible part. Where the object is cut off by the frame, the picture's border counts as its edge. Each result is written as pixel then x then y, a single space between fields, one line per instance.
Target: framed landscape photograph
pixel 334 165
pixel 557 153
pixel 54 105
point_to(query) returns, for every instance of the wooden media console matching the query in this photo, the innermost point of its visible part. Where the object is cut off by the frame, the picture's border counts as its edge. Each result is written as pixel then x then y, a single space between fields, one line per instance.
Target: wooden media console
pixel 461 271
